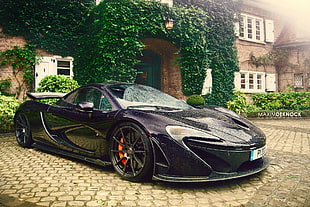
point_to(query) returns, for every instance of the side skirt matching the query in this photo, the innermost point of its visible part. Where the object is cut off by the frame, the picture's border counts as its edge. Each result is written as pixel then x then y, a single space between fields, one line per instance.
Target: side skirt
pixel 70 154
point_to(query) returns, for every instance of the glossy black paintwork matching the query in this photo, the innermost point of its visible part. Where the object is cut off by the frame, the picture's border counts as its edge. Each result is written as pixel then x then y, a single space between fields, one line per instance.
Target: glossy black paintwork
pixel 65 127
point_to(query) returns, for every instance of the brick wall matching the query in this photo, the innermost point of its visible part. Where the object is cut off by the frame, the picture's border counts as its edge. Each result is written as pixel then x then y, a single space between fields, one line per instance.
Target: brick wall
pixel 6 71
pixel 298 63
pixel 171 80
pixel 247 49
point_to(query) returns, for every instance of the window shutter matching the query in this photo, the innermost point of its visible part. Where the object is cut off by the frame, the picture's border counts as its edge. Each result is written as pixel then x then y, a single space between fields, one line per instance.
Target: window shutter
pixel 42 69
pixel 271 82
pixel 237 80
pixel 207 86
pixel 269 30
pixel 237 29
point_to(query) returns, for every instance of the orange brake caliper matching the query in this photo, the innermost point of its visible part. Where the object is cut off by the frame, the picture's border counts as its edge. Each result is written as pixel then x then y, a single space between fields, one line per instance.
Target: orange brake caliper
pixel 121 154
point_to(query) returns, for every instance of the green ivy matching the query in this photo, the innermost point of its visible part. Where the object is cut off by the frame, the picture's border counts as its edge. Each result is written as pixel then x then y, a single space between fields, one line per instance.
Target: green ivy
pixel 22 59
pixel 105 39
pixel 203 33
pixel 50 25
pixel 5 85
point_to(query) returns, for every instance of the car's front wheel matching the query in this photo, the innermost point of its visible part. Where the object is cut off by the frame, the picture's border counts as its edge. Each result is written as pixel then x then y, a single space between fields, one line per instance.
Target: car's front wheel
pixel 22 130
pixel 131 152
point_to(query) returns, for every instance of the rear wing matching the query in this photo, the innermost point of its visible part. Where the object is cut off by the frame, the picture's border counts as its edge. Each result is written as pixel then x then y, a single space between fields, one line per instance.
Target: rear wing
pixel 44 95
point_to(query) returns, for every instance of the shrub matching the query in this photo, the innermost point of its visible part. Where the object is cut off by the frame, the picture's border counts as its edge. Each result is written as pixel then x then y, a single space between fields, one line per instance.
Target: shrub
pixel 8 107
pixel 195 100
pixel 57 83
pixel 282 101
pixel 239 104
pixel 269 102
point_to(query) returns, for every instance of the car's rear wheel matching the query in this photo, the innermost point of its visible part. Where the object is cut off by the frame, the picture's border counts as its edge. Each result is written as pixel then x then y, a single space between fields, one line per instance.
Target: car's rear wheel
pixel 22 130
pixel 131 152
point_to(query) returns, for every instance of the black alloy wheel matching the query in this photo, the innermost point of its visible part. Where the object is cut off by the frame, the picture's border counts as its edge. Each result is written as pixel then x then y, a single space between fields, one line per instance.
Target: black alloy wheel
pixel 22 130
pixel 131 152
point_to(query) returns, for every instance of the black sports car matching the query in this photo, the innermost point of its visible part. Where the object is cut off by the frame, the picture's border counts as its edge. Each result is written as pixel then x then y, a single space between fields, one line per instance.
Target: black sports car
pixel 144 133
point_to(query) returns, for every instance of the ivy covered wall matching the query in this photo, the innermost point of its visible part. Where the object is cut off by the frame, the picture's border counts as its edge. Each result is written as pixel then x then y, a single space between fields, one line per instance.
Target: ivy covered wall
pixel 105 39
pixel 222 54
pixel 45 24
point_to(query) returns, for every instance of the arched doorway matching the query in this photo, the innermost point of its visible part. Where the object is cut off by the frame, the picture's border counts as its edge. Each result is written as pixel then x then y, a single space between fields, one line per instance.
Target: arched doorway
pixel 162 56
pixel 149 70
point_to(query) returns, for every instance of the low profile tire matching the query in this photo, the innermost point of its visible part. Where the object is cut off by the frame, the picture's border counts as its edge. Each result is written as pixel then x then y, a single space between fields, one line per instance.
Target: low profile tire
pixel 22 130
pixel 131 152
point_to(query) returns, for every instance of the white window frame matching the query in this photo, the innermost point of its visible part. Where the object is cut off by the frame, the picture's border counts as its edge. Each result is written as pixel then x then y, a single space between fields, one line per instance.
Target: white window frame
pixel 49 66
pixel 251 32
pixel 298 80
pixel 249 81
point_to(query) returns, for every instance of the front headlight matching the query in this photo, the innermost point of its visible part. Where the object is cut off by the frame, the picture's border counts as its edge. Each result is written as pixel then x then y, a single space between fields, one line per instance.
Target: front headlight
pixel 178 133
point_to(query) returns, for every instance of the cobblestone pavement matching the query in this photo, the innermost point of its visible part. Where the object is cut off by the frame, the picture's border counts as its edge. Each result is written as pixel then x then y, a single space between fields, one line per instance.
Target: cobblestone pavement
pixel 29 177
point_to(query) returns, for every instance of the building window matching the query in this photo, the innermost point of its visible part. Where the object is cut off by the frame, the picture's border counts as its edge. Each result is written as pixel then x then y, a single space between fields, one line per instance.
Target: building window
pixel 250 82
pixel 298 80
pixel 64 67
pixel 55 65
pixel 252 28
pixel 259 81
pixel 243 80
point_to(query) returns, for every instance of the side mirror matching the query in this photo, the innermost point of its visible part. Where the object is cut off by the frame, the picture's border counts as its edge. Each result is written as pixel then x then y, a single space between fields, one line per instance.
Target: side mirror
pixel 86 106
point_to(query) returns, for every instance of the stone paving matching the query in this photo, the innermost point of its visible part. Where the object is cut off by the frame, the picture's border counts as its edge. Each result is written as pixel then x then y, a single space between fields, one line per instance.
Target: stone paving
pixel 30 177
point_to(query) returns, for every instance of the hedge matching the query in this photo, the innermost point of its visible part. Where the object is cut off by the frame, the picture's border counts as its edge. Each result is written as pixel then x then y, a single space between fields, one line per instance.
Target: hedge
pixel 282 101
pixel 105 40
pixel 271 104
pixel 8 107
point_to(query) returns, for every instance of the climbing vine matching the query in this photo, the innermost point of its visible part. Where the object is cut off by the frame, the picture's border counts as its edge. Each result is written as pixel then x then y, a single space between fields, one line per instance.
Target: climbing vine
pixel 105 39
pixel 49 25
pixel 22 60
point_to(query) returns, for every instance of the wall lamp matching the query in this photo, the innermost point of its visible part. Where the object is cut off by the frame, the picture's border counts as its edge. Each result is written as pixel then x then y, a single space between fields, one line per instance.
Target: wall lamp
pixel 169 23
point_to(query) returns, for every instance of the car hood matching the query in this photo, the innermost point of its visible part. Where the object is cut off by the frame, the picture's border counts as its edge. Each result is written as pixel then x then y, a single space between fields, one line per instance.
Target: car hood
pixel 220 122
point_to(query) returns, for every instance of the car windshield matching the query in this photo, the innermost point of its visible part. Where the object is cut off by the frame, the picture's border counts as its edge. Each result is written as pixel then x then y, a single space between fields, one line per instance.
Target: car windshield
pixel 145 97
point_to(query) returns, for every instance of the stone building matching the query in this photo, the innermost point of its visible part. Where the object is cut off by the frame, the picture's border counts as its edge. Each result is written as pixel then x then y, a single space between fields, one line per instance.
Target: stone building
pixel 49 64
pixel 294 68
pixel 6 43
pixel 273 54
pixel 263 38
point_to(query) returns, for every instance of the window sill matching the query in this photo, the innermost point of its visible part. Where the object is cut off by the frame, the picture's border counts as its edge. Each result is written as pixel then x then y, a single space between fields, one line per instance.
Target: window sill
pixel 252 91
pixel 254 41
pixel 298 87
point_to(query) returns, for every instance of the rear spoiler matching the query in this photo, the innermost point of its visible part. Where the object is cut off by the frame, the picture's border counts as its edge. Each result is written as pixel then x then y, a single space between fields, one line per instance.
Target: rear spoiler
pixel 45 95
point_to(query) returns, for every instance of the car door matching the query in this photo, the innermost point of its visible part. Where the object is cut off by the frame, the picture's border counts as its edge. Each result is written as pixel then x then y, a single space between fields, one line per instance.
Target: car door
pixel 80 122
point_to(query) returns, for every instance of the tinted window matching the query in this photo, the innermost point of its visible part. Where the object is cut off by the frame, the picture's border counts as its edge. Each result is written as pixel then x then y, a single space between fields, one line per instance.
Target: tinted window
pixel 90 95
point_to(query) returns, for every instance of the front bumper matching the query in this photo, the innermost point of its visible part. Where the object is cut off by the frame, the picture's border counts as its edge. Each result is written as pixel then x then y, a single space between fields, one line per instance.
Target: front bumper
pixel 198 162
pixel 261 164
